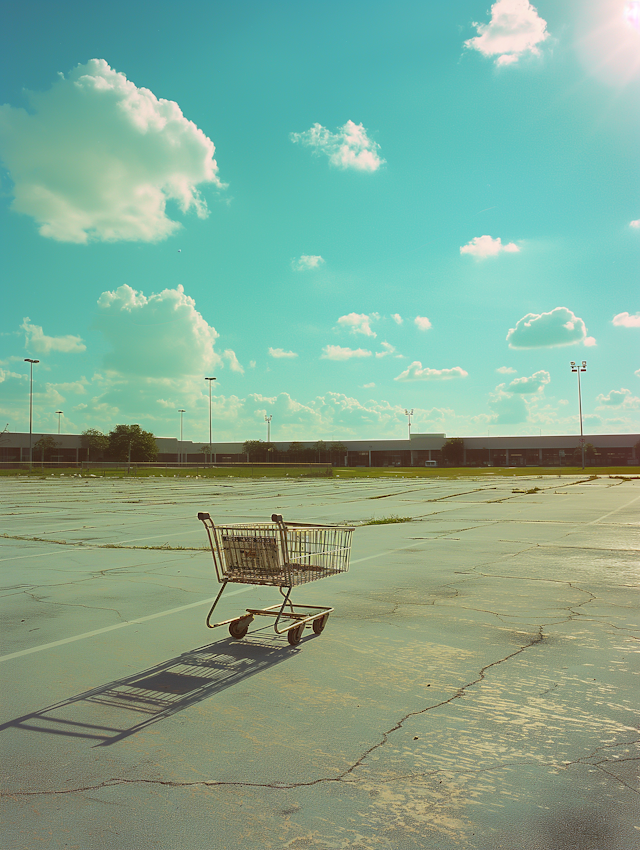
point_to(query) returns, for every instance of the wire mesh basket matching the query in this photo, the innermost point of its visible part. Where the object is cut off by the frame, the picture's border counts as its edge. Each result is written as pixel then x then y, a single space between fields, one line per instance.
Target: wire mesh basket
pixel 280 554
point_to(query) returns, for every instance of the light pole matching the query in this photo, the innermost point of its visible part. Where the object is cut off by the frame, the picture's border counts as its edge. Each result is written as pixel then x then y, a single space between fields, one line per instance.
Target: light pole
pixel 268 419
pixel 210 449
pixel 29 360
pixel 409 414
pixel 181 412
pixel 577 368
pixel 59 412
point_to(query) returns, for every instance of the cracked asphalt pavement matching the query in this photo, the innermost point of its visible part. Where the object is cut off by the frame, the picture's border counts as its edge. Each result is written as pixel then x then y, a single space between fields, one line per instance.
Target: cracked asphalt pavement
pixel 476 686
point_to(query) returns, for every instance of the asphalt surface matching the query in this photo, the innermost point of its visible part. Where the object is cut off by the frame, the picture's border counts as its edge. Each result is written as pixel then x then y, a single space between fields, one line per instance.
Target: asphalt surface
pixel 477 685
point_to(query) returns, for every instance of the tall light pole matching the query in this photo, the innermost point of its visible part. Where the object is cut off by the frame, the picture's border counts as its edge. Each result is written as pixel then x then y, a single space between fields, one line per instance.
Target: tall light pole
pixel 59 412
pixel 409 414
pixel 577 368
pixel 181 412
pixel 29 360
pixel 210 449
pixel 268 419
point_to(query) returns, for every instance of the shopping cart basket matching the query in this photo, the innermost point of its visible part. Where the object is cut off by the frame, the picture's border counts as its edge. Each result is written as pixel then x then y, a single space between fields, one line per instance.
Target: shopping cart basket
pixel 280 554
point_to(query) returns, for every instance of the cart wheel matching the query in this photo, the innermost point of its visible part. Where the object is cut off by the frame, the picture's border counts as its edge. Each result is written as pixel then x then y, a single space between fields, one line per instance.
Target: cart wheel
pixel 319 624
pixel 294 636
pixel 239 628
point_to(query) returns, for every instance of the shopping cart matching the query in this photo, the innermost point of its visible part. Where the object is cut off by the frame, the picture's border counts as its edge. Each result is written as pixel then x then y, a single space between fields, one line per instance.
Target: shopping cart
pixel 282 555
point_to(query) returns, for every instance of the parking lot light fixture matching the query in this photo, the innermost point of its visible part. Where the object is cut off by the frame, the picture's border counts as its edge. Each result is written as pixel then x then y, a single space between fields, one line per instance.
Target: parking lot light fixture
pixel 59 412
pixel 409 414
pixel 210 448
pixel 29 360
pixel 577 368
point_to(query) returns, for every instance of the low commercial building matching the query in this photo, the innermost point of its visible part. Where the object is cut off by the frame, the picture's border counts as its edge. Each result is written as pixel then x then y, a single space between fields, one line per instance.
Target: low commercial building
pixel 418 450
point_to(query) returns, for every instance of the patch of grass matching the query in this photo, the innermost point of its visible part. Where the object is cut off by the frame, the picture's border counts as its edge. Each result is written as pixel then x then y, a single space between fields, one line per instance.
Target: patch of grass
pixel 388 520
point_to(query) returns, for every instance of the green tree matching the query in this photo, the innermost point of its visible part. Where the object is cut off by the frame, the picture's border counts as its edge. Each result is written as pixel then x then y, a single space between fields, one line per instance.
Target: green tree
pixel 338 452
pixel 142 443
pixel 320 449
pixel 45 445
pixel 453 452
pixel 260 452
pixel 95 442
pixel 296 451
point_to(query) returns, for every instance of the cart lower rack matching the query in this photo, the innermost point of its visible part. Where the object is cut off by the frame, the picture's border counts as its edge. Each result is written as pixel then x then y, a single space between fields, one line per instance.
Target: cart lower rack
pixel 283 555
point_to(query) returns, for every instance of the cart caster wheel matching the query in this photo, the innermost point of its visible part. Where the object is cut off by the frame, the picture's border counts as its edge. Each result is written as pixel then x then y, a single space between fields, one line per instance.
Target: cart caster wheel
pixel 239 628
pixel 294 636
pixel 319 624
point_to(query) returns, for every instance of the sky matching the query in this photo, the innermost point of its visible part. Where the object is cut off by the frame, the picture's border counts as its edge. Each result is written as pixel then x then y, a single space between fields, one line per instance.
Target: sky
pixel 341 211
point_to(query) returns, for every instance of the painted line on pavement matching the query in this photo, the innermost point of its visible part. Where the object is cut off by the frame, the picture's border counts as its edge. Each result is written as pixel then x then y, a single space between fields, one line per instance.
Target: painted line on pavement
pixel 55 643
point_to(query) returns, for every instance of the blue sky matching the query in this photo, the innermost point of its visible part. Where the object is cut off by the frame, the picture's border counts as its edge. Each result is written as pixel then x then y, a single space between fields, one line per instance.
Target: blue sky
pixel 339 210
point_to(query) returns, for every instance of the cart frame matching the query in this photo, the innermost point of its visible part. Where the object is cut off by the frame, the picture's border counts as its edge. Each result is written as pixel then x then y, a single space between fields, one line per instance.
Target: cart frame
pixel 279 554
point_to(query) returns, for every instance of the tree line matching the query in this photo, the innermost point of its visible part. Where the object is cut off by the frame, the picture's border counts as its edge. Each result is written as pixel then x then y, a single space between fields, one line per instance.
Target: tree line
pixel 259 451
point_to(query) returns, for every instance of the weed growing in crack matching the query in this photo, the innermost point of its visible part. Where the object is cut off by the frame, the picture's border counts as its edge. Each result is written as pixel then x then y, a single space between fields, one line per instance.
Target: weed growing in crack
pixel 387 520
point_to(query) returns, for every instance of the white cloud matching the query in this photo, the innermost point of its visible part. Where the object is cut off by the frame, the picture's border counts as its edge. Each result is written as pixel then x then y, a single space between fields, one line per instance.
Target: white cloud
pixel 506 370
pixel 280 353
pixel 97 158
pixel 533 384
pixel 545 330
pixel 160 336
pixel 637 373
pixel 368 386
pixel 485 246
pixel 388 350
pixel 508 409
pixel 232 360
pixel 397 318
pixel 359 323
pixel 422 323
pixel 635 223
pixel 589 341
pixel 618 398
pixel 416 372
pixel 36 340
pixel 349 147
pixel 515 28
pixel 624 320
pixel 337 352
pixel 306 261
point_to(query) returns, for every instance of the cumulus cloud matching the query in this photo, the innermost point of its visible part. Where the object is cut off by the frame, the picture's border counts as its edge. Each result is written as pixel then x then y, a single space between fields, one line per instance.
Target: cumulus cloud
pixel 306 261
pixel 36 340
pixel 485 246
pixel 397 318
pixel 635 223
pixel 359 323
pixel 624 320
pixel 232 360
pixel 387 350
pixel 515 28
pixel 97 158
pixel 159 336
pixel 508 409
pixel 416 372
pixel 422 323
pixel 280 353
pixel 545 330
pixel 533 384
pixel 506 370
pixel 618 398
pixel 349 147
pixel 337 352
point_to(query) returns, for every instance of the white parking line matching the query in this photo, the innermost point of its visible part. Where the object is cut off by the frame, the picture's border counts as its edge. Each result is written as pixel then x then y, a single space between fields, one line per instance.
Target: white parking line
pixel 54 643
pixel 117 626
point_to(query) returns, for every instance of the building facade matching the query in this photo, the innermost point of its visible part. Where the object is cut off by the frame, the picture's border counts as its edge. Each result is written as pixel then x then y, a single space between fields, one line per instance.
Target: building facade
pixel 418 450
